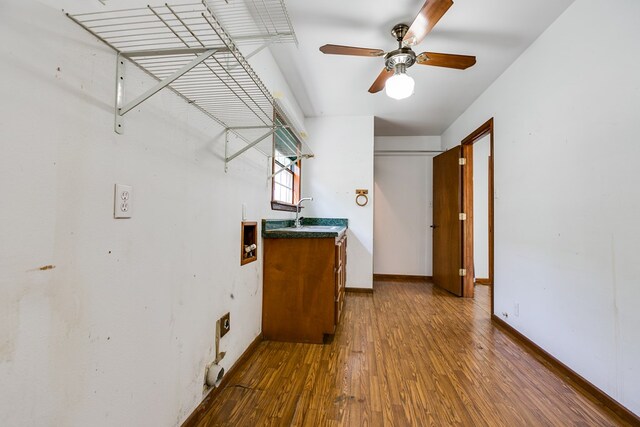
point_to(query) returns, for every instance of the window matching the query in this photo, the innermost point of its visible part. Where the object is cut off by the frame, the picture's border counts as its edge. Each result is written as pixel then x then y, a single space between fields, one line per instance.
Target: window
pixel 286 169
pixel 283 182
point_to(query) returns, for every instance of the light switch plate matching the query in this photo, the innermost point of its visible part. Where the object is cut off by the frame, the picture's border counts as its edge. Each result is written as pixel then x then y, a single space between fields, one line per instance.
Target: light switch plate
pixel 122 201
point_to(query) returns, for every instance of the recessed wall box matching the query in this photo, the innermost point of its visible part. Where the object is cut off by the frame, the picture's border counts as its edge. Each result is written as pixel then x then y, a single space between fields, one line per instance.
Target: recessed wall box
pixel 248 242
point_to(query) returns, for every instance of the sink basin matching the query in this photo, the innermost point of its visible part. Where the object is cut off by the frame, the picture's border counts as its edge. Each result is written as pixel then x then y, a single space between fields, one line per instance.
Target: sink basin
pixel 307 228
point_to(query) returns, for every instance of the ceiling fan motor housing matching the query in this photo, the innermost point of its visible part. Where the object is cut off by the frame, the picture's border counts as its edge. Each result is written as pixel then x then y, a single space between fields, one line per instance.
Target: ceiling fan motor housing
pixel 403 57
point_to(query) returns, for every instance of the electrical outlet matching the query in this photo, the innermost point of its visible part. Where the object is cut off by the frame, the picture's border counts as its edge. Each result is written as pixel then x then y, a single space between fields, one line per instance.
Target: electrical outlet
pixel 225 324
pixel 122 201
pixel 516 310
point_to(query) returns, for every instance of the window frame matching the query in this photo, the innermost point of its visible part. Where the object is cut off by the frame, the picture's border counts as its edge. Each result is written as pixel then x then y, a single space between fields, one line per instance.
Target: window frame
pixel 297 174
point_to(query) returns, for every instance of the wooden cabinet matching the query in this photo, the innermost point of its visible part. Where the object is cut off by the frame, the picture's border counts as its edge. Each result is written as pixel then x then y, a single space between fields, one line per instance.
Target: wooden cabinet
pixel 303 292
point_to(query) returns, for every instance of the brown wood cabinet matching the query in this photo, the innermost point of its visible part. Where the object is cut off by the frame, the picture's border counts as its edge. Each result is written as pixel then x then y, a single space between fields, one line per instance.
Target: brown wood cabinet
pixel 304 281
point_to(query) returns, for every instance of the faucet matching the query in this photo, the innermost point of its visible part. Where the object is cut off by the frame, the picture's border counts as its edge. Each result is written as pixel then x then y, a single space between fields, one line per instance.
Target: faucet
pixel 297 224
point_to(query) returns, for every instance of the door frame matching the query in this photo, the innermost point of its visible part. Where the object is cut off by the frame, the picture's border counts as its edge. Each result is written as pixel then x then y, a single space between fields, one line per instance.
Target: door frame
pixel 467 207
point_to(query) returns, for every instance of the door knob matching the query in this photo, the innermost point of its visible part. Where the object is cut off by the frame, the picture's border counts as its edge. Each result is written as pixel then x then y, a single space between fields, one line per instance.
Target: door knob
pixel 433 226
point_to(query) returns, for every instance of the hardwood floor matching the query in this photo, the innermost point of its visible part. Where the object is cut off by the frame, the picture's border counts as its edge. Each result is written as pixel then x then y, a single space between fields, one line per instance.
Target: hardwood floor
pixel 482 295
pixel 407 355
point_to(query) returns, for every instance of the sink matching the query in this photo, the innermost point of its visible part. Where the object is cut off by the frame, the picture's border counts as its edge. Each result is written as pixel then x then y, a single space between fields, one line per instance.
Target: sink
pixel 312 228
pixel 308 228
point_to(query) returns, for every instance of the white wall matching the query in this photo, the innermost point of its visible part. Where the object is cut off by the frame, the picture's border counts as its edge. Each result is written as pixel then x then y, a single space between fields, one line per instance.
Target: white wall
pixel 403 209
pixel 481 153
pixel 125 321
pixel 566 199
pixel 343 147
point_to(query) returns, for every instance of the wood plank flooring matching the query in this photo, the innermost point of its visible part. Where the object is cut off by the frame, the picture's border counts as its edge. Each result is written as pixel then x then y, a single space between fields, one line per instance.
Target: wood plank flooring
pixel 409 354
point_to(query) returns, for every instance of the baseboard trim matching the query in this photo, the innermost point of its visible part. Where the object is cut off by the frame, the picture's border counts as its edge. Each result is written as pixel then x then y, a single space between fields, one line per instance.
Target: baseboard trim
pixel 359 290
pixel 401 278
pixel 482 281
pixel 194 419
pixel 569 373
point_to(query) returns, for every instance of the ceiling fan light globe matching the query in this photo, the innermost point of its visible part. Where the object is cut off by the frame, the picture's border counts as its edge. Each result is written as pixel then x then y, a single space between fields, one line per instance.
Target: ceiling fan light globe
pixel 400 86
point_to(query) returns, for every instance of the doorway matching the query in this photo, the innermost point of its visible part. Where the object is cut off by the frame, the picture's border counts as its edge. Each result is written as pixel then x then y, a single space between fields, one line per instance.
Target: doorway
pixel 454 257
pixel 481 160
pixel 477 201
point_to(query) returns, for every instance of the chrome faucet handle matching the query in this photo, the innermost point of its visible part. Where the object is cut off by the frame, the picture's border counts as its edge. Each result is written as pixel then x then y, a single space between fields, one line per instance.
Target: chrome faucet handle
pixel 298 206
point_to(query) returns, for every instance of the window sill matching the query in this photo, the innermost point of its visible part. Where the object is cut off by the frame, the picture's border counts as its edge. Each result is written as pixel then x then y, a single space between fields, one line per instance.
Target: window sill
pixel 280 206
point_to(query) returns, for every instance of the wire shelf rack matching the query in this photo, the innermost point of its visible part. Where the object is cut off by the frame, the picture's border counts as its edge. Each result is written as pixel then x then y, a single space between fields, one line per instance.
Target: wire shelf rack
pixel 254 21
pixel 186 48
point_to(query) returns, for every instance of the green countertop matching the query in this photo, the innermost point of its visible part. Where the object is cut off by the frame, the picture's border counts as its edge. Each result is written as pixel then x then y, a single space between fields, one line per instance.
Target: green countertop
pixel 312 228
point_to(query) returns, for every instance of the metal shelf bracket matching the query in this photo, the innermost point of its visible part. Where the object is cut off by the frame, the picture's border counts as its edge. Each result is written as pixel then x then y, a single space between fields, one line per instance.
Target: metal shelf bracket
pixel 250 144
pixel 285 167
pixel 121 109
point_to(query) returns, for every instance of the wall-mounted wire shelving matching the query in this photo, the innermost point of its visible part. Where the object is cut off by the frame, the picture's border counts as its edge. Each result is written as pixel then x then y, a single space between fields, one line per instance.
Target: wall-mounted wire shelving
pixel 192 49
pixel 254 21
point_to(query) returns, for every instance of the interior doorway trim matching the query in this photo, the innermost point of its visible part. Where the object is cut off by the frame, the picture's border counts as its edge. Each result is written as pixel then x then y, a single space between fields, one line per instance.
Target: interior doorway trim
pixel 467 205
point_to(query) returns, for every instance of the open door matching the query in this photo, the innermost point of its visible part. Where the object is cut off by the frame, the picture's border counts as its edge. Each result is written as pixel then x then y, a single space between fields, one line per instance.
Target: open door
pixel 447 226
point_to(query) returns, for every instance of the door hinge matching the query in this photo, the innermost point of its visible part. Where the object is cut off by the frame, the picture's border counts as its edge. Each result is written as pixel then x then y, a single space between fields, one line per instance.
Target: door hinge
pixel 462 216
pixel 462 161
pixel 462 272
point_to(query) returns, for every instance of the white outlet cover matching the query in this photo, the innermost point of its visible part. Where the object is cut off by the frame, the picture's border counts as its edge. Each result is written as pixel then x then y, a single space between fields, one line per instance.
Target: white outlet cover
pixel 122 207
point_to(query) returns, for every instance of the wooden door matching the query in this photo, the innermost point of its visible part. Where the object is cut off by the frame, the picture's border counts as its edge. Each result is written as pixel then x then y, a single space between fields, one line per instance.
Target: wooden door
pixel 447 227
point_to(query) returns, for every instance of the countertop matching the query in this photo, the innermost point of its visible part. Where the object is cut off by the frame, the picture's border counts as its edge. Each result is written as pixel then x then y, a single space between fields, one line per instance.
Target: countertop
pixel 312 228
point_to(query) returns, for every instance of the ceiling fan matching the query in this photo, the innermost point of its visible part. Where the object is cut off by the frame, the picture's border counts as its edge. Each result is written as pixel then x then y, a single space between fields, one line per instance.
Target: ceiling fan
pixel 394 76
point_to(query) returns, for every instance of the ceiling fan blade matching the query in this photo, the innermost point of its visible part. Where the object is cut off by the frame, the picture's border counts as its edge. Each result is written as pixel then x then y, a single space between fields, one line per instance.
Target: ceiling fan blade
pixel 378 85
pixel 427 18
pixel 334 49
pixel 447 60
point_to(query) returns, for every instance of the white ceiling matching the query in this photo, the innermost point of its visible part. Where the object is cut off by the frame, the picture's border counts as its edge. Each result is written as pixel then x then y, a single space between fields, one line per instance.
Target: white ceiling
pixel 495 31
